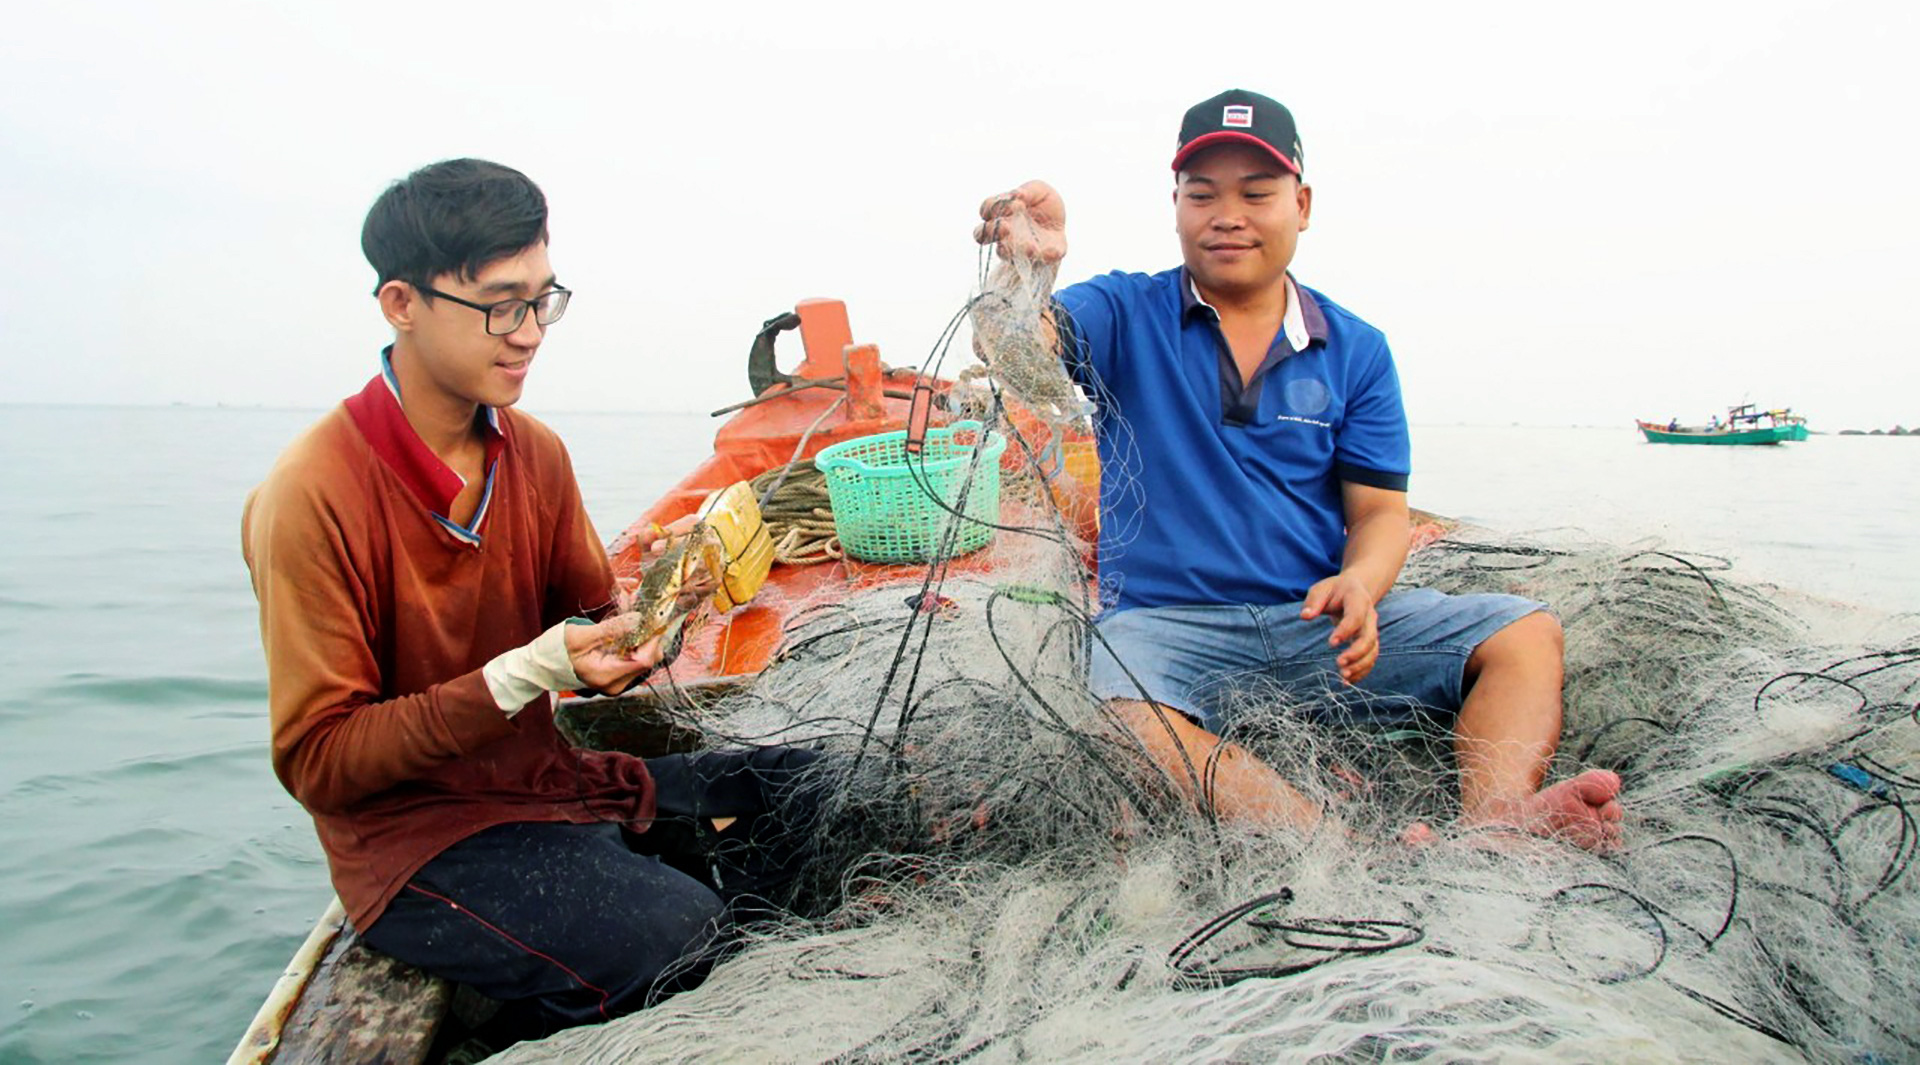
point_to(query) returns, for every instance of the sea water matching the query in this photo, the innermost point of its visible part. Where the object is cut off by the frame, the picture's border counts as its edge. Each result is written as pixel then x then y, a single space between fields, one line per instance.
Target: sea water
pixel 156 877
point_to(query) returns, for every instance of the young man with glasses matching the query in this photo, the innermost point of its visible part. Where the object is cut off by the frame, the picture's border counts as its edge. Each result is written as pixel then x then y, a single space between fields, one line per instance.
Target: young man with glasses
pixel 1271 449
pixel 427 577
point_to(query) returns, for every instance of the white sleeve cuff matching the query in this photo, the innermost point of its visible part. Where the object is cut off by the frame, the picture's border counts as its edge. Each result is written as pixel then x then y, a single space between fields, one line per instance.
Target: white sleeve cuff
pixel 515 677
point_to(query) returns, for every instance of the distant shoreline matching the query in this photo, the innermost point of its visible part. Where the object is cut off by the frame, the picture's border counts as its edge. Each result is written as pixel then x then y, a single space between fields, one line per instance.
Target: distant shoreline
pixel 1897 430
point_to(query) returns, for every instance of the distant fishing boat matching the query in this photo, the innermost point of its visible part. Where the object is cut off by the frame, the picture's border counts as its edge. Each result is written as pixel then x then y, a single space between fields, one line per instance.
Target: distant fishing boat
pixel 1744 425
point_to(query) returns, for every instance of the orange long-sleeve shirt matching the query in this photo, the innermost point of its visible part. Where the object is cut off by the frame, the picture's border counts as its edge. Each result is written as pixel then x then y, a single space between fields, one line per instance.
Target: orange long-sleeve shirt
pixel 376 615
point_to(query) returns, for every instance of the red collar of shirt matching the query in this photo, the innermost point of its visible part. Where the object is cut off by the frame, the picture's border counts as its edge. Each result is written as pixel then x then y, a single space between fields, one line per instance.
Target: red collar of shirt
pixel 377 411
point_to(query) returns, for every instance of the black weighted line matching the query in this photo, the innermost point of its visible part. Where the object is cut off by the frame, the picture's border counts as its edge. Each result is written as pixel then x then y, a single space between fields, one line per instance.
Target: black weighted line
pixel 1736 1015
pixel 1177 957
pixel 1652 912
pixel 1733 894
pixel 1903 848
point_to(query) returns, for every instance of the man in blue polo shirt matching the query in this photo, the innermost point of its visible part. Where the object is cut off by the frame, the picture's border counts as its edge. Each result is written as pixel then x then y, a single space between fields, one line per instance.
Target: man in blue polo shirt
pixel 1262 425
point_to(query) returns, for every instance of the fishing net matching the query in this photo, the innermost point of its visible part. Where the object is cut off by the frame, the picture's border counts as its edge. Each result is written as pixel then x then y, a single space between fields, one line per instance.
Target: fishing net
pixel 1017 349
pixel 1002 874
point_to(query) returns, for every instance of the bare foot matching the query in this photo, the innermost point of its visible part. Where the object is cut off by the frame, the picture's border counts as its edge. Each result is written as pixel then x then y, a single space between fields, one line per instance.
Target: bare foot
pixel 1584 811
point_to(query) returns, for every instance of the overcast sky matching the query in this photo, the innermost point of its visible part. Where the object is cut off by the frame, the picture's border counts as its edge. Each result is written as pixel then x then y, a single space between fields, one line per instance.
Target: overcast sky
pixel 1560 214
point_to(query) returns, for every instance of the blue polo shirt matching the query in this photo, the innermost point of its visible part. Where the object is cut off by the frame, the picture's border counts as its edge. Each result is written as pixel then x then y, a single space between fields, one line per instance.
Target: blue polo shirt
pixel 1214 493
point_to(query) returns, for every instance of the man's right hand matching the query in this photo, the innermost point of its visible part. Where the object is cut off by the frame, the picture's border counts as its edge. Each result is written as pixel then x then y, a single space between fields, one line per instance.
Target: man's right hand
pixel 1027 223
pixel 654 539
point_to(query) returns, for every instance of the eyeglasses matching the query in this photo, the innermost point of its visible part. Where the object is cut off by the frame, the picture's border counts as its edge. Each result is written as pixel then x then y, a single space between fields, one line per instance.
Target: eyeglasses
pixel 505 316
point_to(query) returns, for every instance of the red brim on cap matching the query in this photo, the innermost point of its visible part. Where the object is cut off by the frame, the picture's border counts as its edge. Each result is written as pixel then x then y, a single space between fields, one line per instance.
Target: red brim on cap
pixel 1208 140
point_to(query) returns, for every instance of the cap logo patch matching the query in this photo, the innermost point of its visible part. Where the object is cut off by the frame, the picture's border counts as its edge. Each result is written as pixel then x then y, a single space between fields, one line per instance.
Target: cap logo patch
pixel 1237 116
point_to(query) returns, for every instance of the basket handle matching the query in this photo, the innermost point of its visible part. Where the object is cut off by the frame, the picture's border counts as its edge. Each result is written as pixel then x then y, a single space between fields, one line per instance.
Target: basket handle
pixel 917 415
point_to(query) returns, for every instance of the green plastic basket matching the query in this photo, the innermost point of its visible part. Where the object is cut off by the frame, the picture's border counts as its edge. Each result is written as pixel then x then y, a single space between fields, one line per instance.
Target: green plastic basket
pixel 880 494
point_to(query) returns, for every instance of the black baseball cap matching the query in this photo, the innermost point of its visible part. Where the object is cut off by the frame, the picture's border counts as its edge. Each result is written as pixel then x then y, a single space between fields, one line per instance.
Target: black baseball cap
pixel 1243 117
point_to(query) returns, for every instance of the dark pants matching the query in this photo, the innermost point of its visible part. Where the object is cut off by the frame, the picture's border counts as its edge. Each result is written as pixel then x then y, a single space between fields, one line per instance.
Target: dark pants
pixel 572 924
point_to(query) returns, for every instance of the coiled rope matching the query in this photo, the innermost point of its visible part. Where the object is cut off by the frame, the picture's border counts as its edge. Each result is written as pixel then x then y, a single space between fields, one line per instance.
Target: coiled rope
pixel 798 514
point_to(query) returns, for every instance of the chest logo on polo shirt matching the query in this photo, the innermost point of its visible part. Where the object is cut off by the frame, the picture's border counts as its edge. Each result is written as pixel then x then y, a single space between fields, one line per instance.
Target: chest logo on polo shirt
pixel 1308 395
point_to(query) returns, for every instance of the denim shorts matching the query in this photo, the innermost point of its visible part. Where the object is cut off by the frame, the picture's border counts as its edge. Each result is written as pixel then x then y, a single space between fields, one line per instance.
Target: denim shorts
pixel 1206 659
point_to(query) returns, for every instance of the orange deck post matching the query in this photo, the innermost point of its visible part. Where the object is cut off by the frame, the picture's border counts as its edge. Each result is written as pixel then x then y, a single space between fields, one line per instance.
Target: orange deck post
pixel 826 334
pixel 863 383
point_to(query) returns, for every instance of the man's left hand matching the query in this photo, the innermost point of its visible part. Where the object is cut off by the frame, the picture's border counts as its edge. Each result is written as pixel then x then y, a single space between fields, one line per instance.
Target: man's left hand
pixel 590 649
pixel 1347 597
pixel 1028 223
